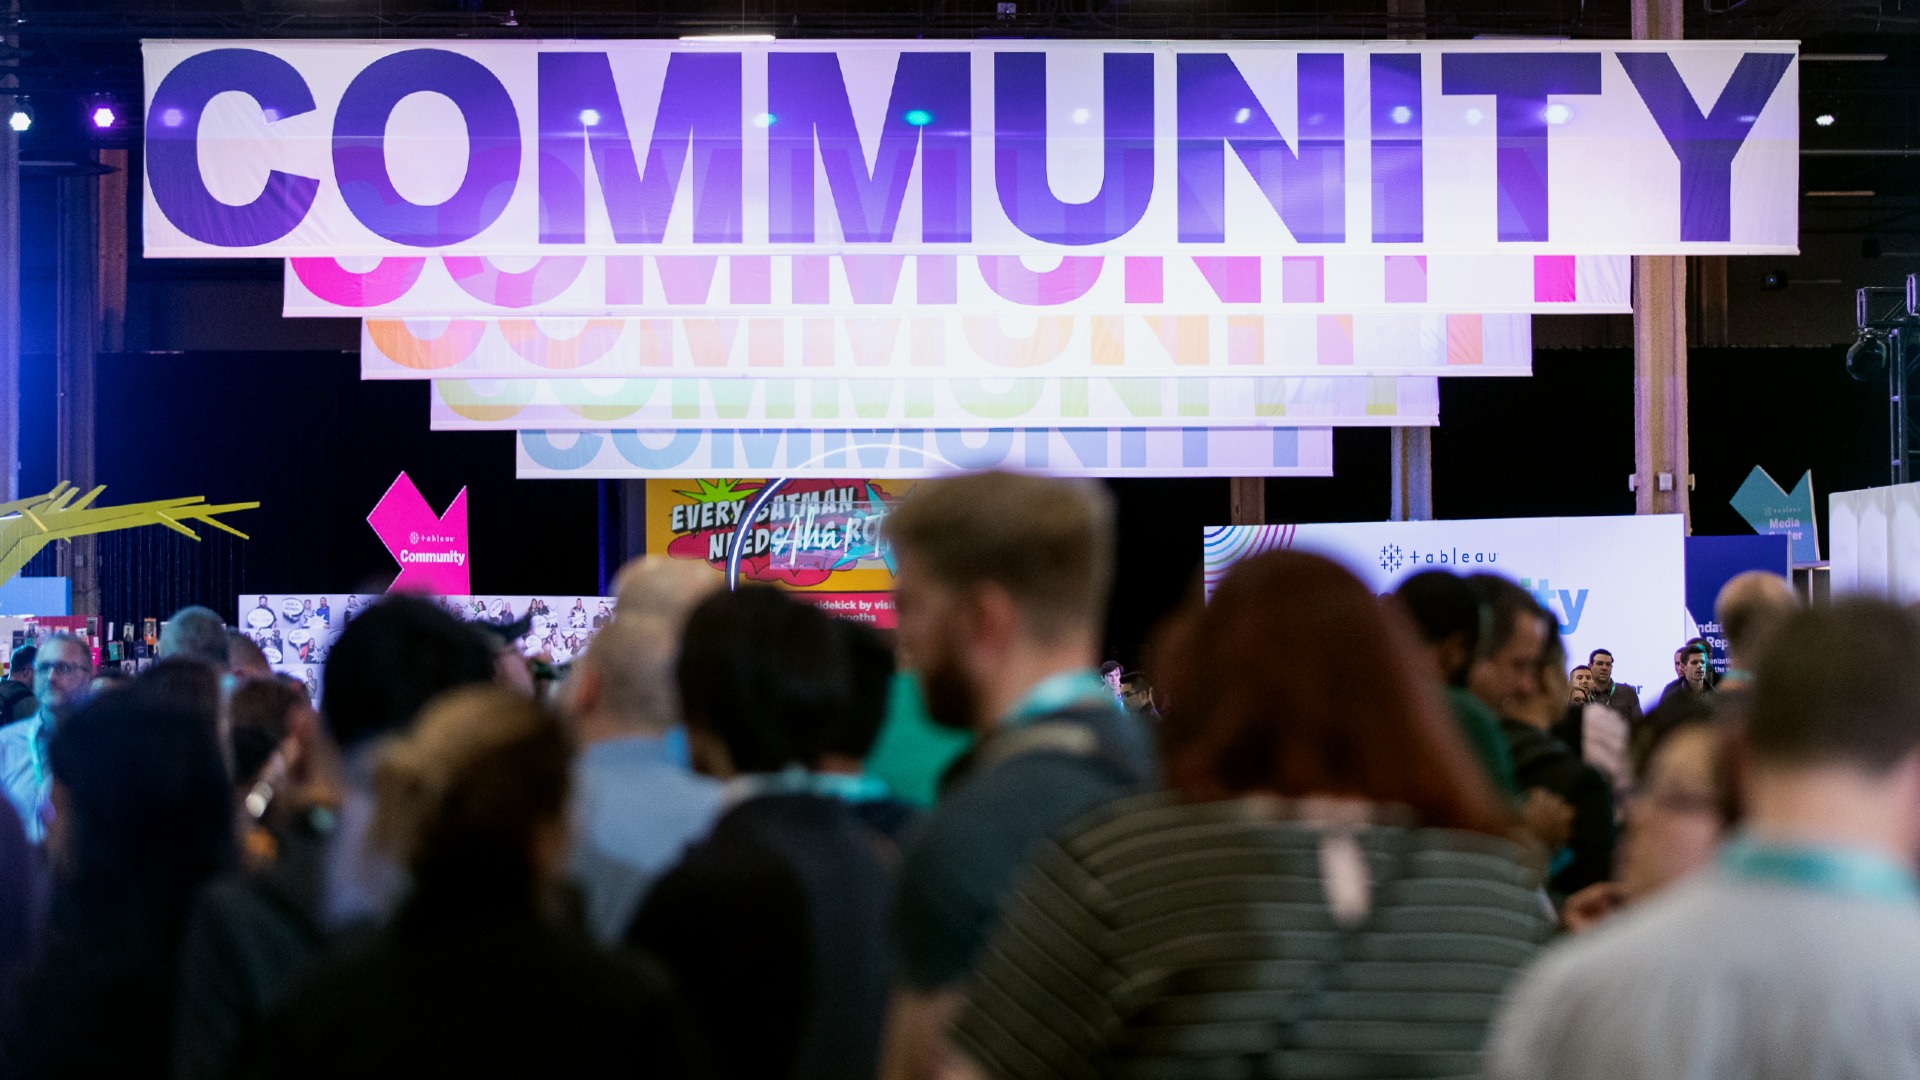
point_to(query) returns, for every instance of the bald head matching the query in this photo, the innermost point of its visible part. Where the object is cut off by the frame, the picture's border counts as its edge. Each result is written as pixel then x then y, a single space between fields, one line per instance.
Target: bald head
pixel 628 678
pixel 1751 608
pixel 658 587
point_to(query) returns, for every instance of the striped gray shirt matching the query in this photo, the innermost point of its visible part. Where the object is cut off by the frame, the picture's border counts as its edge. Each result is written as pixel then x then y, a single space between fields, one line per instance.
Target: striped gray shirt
pixel 1161 939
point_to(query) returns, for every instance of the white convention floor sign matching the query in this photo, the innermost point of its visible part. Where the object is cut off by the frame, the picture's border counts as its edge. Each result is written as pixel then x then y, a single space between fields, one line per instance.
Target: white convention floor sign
pixel 1615 583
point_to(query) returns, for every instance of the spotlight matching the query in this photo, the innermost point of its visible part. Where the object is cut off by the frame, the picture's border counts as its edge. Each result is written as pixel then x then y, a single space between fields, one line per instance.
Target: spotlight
pixel 590 117
pixel 103 113
pixel 1557 113
pixel 1867 357
pixel 1825 119
pixel 21 118
pixel 918 117
pixel 104 116
pixel 1400 114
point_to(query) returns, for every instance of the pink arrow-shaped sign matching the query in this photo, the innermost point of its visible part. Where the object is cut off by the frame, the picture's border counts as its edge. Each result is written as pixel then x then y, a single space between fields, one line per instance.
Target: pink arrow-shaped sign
pixel 430 548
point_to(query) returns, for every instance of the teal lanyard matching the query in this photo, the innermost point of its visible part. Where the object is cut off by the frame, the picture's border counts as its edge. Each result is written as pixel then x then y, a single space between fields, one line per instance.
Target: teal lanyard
pixel 847 787
pixel 1069 689
pixel 1847 872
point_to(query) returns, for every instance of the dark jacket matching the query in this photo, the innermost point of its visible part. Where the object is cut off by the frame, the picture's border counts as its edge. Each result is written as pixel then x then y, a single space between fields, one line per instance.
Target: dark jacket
pixel 249 941
pixel 1542 761
pixel 460 993
pixel 775 929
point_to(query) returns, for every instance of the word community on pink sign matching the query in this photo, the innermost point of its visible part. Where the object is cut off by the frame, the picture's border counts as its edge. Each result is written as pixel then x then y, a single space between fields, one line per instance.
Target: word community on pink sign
pixel 431 548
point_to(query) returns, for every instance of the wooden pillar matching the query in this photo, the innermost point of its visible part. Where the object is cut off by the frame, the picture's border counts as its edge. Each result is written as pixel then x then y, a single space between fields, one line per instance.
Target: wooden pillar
pixel 1661 472
pixel 1247 500
pixel 76 355
pixel 1411 478
pixel 1412 452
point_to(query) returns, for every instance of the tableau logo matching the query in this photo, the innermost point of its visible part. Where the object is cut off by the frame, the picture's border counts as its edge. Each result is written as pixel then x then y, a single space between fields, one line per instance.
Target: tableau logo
pixel 1565 605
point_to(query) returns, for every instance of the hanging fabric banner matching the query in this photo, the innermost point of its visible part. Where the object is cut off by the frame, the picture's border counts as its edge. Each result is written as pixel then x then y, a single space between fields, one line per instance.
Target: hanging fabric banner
pixel 955 347
pixel 311 148
pixel 597 404
pixel 597 286
pixel 890 453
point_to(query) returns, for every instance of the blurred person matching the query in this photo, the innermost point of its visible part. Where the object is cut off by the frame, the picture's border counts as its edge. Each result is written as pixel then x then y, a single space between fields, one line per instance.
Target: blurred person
pixel 22 898
pixel 269 727
pixel 245 660
pixel 253 936
pixel 774 925
pixel 143 821
pixel 474 977
pixel 1111 673
pixel 1542 763
pixel 1309 815
pixel 850 738
pixel 664 587
pixel 1682 808
pixel 196 633
pixel 1451 622
pixel 61 671
pixel 1001 591
pixel 1619 697
pixel 108 678
pixel 16 690
pixel 1690 665
pixel 1793 955
pixel 1750 609
pixel 636 803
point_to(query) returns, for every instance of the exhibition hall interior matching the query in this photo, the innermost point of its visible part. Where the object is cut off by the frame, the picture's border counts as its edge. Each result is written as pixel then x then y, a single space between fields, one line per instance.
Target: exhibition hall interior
pixel 760 539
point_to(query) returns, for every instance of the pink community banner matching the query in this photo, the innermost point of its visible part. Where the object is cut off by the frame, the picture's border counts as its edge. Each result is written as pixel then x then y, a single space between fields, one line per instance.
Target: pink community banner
pixel 695 285
pixel 955 347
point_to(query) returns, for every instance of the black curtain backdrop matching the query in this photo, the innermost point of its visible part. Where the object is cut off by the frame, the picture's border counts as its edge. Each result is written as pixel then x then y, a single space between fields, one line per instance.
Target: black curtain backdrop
pixel 316 446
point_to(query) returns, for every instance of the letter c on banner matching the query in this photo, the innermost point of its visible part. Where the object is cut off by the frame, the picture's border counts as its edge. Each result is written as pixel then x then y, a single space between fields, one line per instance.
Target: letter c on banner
pixel 398 343
pixel 173 147
pixel 487 283
pixel 540 447
pixel 535 345
pixel 386 282
pixel 360 150
pixel 488 401
pixel 603 400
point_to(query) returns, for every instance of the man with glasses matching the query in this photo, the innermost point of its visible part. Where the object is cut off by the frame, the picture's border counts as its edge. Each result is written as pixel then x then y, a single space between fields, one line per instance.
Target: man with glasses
pixel 60 675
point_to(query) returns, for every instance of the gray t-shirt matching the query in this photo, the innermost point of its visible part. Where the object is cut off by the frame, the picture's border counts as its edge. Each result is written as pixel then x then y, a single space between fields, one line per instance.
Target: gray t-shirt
pixel 1724 978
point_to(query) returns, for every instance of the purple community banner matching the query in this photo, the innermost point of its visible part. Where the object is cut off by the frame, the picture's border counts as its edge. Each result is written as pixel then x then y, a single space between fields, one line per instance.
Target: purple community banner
pixel 297 148
pixel 991 347
pixel 600 404
pixel 886 454
pixel 693 285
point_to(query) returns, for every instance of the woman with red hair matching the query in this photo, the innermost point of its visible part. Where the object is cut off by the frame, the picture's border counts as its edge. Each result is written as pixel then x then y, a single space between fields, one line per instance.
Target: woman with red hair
pixel 1325 889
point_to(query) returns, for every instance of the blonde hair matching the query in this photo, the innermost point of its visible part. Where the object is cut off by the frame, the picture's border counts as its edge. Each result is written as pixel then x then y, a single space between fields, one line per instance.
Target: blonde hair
pixel 465 789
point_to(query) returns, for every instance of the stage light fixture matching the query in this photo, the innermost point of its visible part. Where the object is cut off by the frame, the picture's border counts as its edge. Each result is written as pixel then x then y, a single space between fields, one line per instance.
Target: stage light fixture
pixel 1825 119
pixel 918 117
pixel 1400 114
pixel 21 118
pixel 1867 357
pixel 104 116
pixel 1557 113
pixel 590 117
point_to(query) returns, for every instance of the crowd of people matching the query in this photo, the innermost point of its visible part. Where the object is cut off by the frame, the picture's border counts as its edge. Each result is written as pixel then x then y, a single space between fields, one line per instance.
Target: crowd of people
pixel 1335 835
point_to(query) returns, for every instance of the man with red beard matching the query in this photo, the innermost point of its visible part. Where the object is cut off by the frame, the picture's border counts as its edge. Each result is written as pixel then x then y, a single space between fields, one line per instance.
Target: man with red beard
pixel 1002 590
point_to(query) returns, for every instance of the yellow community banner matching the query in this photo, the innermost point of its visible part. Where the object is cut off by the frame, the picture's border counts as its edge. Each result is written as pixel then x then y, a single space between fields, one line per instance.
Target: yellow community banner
pixel 821 537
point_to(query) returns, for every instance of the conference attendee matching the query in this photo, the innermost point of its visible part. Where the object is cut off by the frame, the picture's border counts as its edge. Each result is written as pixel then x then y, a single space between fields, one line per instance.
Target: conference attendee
pixel 1691 674
pixel 1581 679
pixel 16 690
pixel 1685 801
pixel 636 803
pixel 774 925
pixel 664 587
pixel 1793 955
pixel 1750 609
pixel 1533 696
pixel 1136 693
pixel 852 734
pixel 264 744
pixel 61 671
pixel 1112 673
pixel 1002 591
pixel 1308 815
pixel 245 659
pixel 1618 696
pixel 474 976
pixel 1448 615
pixel 253 936
pixel 144 821
pixel 198 634
pixel 22 897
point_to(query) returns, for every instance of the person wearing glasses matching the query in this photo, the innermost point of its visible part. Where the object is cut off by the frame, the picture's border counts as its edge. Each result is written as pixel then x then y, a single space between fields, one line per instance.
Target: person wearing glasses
pixel 61 672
